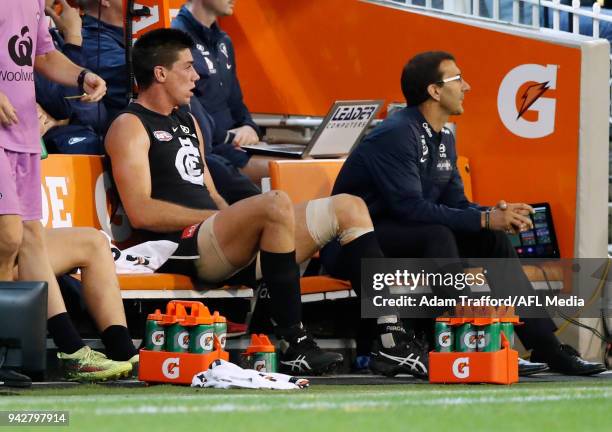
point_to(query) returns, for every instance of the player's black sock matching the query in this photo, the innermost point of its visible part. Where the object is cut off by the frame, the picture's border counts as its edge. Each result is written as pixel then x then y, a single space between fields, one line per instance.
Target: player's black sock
pixel 281 275
pixel 365 246
pixel 118 343
pixel 64 333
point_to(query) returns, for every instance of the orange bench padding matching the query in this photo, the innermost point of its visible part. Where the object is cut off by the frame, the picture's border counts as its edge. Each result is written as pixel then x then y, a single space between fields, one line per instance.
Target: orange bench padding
pixel 160 281
pixel 157 281
pixel 321 284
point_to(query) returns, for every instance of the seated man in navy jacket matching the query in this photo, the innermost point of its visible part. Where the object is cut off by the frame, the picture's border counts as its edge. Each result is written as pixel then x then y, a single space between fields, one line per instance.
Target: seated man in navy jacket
pixel 104 51
pixel 97 44
pixel 218 89
pixel 75 126
pixel 406 172
pixel 232 184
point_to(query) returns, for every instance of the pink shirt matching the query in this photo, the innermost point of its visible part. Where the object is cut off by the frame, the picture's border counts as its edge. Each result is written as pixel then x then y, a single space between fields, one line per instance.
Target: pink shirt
pixel 23 35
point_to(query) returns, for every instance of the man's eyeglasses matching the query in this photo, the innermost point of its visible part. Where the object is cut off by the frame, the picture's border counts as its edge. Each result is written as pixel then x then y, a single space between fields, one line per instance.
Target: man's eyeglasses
pixel 450 79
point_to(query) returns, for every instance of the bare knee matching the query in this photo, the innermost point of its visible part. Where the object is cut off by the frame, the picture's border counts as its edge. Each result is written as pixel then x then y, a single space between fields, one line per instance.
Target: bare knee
pixel 351 211
pixel 10 240
pixel 33 235
pixel 278 208
pixel 94 242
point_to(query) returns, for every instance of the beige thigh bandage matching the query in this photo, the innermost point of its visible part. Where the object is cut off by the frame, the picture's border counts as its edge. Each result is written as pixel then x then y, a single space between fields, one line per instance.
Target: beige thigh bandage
pixel 212 266
pixel 323 224
pixel 321 221
pixel 350 234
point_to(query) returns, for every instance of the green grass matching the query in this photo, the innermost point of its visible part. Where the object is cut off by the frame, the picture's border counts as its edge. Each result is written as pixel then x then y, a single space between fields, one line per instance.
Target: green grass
pixel 582 406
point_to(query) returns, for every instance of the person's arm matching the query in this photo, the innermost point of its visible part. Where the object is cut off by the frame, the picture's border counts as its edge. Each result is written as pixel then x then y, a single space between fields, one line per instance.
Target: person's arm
pixel 67 38
pixel 127 145
pixel 58 68
pixel 512 218
pixel 394 167
pixel 52 97
pixel 68 23
pixel 208 181
pixel 247 131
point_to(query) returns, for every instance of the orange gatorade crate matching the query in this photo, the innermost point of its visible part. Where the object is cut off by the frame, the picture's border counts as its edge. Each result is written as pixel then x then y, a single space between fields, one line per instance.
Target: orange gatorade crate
pixel 495 367
pixel 499 367
pixel 166 359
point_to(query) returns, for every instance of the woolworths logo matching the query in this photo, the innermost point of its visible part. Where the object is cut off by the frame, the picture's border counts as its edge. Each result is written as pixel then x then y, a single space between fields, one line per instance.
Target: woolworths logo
pixel 11 76
pixel 20 48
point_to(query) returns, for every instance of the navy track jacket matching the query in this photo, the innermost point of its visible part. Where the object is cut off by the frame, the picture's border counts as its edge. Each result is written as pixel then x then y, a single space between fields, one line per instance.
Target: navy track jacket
pixel 406 171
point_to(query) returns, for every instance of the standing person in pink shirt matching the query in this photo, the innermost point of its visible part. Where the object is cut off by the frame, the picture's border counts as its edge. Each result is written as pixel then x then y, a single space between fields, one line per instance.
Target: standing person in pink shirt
pixel 25 47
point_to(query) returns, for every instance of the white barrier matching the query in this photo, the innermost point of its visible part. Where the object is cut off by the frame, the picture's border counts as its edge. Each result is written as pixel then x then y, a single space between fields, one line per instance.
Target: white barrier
pixel 582 18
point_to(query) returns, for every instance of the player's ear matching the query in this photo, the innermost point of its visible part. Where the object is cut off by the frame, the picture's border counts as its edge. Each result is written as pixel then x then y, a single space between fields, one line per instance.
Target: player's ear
pixel 434 91
pixel 160 73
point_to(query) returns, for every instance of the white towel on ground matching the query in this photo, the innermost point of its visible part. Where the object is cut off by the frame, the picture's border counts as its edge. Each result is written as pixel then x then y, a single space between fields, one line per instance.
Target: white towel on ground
pixel 223 374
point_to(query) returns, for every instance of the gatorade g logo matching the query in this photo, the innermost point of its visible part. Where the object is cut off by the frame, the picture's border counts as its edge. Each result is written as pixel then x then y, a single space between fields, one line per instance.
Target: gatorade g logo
pixel 157 338
pixel 170 367
pixel 470 339
pixel 444 339
pixel 206 341
pixel 514 100
pixel 260 366
pixel 21 50
pixel 461 367
pixel 183 340
pixel 482 339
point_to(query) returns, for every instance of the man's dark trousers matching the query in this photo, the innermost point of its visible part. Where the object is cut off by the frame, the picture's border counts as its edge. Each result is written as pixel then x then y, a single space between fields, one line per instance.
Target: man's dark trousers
pixel 405 240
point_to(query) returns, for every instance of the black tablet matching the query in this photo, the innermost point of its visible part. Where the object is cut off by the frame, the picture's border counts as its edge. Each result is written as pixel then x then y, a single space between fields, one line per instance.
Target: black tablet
pixel 541 241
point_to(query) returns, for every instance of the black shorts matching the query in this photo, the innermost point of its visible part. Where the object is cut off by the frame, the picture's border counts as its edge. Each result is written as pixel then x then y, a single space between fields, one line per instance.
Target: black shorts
pixel 183 260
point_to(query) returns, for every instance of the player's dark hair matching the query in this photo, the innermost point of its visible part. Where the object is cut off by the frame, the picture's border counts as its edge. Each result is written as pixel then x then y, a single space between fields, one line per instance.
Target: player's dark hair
pixel 158 47
pixel 422 70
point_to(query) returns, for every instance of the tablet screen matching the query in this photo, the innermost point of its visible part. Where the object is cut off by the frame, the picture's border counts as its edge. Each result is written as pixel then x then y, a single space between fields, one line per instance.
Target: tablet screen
pixel 541 241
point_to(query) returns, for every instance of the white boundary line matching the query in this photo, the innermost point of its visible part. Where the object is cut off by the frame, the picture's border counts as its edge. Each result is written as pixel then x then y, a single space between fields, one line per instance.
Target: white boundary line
pixel 521 393
pixel 330 405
